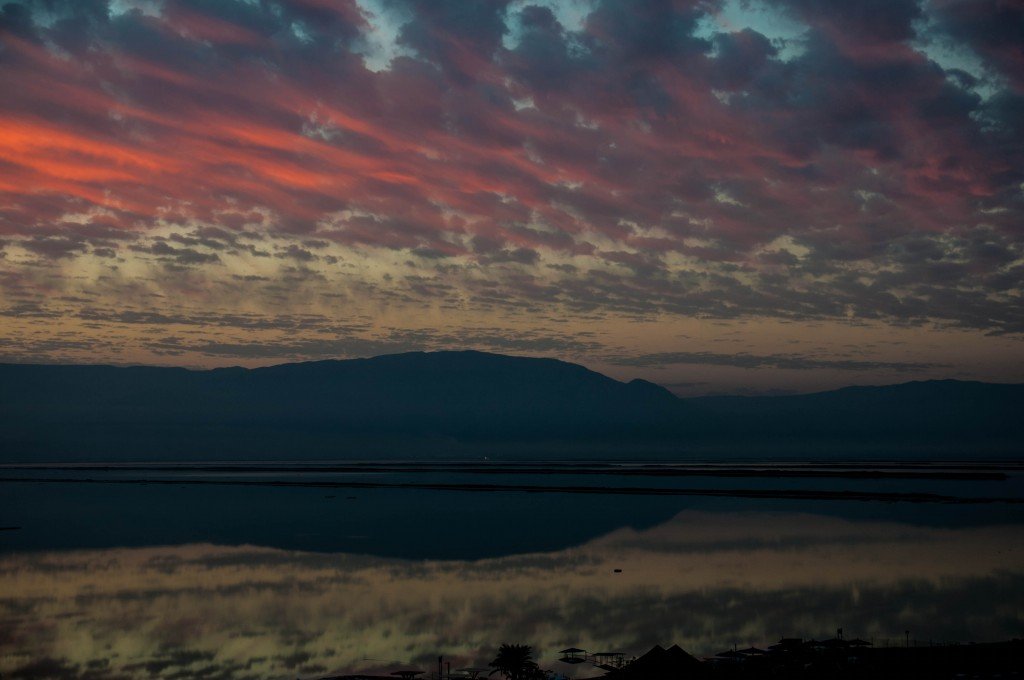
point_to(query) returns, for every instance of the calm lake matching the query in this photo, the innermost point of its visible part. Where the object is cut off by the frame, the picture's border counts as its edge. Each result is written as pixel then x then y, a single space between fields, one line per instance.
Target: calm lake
pixel 286 570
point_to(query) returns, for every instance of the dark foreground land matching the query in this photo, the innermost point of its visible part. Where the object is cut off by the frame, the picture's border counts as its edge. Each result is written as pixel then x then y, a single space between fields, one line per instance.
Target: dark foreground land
pixel 834 659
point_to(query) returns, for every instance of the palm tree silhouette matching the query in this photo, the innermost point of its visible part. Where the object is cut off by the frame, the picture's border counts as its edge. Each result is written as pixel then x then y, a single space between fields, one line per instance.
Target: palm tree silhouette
pixel 515 662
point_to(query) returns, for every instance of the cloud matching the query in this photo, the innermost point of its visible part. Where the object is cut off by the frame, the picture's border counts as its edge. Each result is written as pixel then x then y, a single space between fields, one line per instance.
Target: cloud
pixel 340 342
pixel 783 361
pixel 611 158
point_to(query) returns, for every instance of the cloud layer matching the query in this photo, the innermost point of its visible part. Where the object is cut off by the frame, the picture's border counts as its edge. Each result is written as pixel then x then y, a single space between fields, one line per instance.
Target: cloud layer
pixel 506 163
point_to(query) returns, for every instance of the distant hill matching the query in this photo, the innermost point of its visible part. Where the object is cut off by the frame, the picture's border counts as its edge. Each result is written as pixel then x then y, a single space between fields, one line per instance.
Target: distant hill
pixel 391 405
pixel 949 416
pixel 454 404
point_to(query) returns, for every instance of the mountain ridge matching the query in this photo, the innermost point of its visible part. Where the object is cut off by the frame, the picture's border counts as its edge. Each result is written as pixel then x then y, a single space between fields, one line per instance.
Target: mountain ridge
pixel 466 402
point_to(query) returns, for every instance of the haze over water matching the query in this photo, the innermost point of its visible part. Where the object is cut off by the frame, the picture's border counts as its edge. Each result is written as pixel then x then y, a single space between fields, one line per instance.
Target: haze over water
pixel 149 578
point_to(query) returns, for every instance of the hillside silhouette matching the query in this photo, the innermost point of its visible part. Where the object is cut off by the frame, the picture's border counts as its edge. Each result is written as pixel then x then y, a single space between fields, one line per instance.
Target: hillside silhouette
pixel 467 403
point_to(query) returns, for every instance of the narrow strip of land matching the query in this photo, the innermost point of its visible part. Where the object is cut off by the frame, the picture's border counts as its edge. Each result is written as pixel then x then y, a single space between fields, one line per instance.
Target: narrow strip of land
pixel 780 472
pixel 797 494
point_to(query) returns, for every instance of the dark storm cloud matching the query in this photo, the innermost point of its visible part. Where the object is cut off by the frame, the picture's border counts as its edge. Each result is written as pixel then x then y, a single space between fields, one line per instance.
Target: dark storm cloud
pixel 864 21
pixel 655 30
pixel 459 37
pixel 740 56
pixel 993 29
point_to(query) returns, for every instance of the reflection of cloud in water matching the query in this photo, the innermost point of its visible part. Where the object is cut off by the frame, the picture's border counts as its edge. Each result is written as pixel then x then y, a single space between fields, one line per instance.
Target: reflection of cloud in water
pixel 702 580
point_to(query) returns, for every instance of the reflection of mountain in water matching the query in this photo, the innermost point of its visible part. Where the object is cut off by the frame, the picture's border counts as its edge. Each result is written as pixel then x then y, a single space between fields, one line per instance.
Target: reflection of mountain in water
pixel 196 504
pixel 192 504
pixel 392 523
pixel 699 579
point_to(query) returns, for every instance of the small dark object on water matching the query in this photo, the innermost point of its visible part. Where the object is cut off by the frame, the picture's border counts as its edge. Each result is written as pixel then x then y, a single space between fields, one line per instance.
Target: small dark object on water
pixel 350 498
pixel 9 528
pixel 618 571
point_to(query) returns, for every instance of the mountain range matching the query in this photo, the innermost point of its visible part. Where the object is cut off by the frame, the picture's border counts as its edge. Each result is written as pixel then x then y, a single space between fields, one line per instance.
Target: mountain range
pixel 468 404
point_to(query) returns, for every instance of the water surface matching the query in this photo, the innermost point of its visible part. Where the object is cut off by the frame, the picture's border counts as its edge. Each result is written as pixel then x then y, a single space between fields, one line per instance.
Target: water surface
pixel 158 576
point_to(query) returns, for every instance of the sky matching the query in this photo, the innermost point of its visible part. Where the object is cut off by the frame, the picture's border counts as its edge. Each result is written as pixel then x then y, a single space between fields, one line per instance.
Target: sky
pixel 721 196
